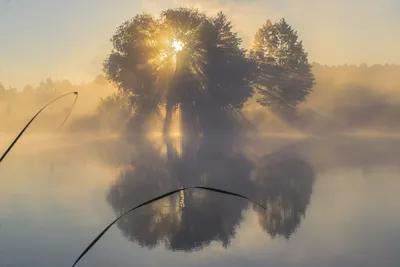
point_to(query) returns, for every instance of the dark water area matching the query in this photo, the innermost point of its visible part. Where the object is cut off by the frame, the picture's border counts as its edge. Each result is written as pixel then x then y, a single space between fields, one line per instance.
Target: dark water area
pixel 330 201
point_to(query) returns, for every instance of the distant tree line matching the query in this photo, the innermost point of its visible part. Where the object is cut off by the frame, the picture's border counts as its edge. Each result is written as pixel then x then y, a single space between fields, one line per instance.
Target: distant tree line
pixel 17 106
pixel 333 83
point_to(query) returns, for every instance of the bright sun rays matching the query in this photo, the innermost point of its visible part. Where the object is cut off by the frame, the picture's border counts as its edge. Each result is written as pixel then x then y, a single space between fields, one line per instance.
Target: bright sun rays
pixel 178 45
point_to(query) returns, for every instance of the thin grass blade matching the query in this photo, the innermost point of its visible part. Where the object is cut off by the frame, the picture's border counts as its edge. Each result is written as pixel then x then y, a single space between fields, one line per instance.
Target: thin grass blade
pixel 69 112
pixel 33 118
pixel 113 222
pixel 154 200
pixel 230 193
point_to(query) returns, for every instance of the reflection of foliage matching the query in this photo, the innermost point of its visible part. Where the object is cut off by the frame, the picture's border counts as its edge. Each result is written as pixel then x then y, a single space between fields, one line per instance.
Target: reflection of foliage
pixel 284 77
pixel 149 226
pixel 188 221
pixel 191 221
pixel 284 186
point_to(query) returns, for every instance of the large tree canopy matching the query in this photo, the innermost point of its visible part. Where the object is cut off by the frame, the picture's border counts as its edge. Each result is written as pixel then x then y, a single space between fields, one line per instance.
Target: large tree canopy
pixel 128 65
pixel 283 75
pixel 182 57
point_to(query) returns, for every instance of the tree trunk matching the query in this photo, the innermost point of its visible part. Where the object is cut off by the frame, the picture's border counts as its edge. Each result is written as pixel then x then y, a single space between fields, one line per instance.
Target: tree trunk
pixel 168 119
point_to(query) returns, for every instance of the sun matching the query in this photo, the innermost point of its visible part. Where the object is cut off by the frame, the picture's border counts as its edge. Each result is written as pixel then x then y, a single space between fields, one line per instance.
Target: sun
pixel 178 45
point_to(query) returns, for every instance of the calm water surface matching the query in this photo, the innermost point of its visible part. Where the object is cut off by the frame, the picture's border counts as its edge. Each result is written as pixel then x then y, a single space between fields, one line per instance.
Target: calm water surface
pixel 331 202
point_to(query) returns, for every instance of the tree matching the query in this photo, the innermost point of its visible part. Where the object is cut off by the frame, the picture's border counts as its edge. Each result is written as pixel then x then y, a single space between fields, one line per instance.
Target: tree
pixel 28 89
pixel 283 76
pixel 100 80
pixel 229 76
pixel 2 92
pixel 230 71
pixel 115 110
pixel 129 64
pixel 46 86
pixel 183 58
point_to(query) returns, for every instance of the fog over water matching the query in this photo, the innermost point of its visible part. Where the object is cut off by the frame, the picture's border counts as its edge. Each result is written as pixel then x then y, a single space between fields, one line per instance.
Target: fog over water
pixel 183 95
pixel 331 202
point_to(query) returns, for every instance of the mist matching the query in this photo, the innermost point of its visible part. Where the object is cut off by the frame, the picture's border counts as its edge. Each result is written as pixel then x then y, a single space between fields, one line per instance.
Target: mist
pixel 344 99
pixel 181 97
pixel 17 106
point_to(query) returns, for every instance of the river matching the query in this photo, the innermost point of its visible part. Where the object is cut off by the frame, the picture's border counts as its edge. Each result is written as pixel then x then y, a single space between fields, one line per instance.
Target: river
pixel 330 202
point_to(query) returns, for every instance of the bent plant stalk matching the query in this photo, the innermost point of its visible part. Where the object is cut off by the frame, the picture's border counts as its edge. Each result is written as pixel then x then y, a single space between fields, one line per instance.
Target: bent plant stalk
pixel 34 117
pixel 220 191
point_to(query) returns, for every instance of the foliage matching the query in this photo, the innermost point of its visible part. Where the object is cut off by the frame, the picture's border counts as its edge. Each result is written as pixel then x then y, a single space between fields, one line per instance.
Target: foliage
pixel 116 104
pixel 283 76
pixel 209 76
pixel 281 181
pixel 209 69
pixel 284 184
pixel 128 65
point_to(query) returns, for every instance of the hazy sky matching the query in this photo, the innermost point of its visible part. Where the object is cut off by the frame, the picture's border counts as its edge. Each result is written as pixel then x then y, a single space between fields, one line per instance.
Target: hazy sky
pixel 70 38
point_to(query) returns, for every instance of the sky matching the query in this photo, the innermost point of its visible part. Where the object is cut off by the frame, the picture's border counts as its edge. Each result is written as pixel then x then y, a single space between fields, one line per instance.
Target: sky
pixel 69 39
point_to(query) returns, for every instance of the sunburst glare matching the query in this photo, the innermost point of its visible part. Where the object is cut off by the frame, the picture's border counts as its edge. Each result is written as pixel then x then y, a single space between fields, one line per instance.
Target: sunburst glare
pixel 178 45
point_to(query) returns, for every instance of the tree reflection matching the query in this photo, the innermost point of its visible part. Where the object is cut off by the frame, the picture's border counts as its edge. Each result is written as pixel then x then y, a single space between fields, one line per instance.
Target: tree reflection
pixel 189 221
pixel 283 183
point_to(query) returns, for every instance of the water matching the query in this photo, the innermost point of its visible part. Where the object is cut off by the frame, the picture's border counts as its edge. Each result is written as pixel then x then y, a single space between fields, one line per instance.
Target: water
pixel 331 202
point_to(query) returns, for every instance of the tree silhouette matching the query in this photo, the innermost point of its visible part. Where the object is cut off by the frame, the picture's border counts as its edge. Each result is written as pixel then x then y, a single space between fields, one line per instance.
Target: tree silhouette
pixel 229 70
pixel 29 90
pixel 116 110
pixel 2 91
pixel 283 184
pixel 282 76
pixel 183 58
pixel 128 65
